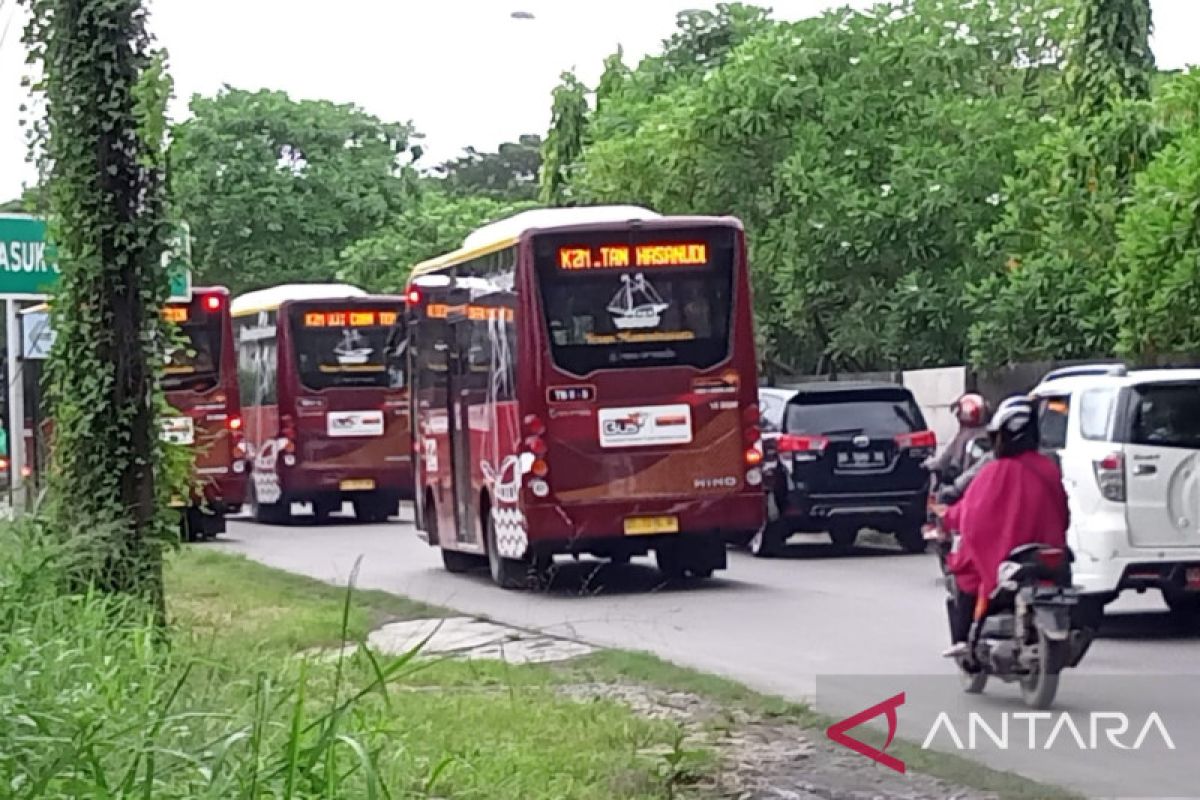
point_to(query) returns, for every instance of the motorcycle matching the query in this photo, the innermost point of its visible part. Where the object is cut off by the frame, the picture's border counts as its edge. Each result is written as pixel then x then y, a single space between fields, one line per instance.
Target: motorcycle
pixel 943 493
pixel 1027 630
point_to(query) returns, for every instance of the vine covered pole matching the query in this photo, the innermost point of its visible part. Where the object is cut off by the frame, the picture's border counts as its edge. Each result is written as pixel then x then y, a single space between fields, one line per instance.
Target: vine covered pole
pixel 101 144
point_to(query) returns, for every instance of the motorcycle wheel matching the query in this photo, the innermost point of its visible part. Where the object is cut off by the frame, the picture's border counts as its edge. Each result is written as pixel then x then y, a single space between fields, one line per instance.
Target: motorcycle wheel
pixel 972 682
pixel 1039 688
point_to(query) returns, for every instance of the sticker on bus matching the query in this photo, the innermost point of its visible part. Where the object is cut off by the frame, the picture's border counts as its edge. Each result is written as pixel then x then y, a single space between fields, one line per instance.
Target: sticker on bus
pixel 645 426
pixel 354 423
pixel 178 430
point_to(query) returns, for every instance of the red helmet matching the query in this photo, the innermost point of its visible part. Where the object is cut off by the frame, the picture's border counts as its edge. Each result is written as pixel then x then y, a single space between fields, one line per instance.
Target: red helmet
pixel 971 410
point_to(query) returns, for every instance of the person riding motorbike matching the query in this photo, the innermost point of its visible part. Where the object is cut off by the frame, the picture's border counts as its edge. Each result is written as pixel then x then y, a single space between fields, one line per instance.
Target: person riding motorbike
pixel 971 411
pixel 1017 498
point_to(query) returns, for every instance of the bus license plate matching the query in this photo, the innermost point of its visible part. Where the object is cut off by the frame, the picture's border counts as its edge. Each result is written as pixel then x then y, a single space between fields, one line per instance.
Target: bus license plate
pixel 645 526
pixel 364 485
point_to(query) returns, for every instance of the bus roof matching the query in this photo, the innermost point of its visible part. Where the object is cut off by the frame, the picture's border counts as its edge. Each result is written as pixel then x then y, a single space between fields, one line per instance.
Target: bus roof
pixel 505 233
pixel 272 298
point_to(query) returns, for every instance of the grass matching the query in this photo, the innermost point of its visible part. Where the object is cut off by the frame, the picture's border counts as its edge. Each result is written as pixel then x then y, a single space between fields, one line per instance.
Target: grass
pixel 95 704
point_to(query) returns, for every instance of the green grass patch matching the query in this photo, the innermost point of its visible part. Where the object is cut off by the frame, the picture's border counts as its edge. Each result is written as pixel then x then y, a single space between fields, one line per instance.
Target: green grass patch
pixel 95 703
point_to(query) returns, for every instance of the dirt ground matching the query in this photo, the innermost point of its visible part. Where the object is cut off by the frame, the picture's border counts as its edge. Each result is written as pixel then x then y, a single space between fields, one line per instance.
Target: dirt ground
pixel 765 759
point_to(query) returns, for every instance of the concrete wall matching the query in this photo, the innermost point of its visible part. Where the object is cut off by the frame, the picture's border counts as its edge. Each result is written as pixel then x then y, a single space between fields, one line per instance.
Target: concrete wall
pixel 935 391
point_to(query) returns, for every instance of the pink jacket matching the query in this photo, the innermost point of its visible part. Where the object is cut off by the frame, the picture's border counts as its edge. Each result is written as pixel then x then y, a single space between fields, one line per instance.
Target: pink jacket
pixel 1013 501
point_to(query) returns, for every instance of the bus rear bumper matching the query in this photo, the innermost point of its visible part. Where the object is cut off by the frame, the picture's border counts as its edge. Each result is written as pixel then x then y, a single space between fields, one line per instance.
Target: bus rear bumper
pixel 599 528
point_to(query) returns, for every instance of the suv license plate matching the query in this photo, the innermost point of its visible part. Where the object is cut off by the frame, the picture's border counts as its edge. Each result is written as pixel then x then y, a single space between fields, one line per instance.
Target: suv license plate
pixel 364 485
pixel 1192 576
pixel 645 526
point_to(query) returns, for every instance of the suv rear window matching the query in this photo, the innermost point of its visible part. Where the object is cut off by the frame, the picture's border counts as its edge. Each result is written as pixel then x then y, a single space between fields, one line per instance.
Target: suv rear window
pixel 1166 415
pixel 852 413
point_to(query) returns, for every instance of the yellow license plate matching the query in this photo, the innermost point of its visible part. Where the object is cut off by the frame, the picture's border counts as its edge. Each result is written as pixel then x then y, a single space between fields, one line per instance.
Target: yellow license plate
pixel 365 485
pixel 644 526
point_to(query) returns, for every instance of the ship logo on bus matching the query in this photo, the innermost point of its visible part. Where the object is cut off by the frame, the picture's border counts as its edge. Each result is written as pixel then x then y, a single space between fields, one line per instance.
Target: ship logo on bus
pixel 350 351
pixel 637 305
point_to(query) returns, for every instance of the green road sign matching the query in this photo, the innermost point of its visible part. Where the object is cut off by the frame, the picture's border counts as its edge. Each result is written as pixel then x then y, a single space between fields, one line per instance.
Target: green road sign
pixel 27 263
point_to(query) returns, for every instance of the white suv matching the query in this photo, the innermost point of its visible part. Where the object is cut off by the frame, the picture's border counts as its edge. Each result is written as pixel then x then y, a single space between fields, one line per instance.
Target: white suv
pixel 1128 443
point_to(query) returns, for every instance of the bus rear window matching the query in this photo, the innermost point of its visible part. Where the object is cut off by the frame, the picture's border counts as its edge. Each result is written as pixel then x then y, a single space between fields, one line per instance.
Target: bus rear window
pixel 193 355
pixel 348 348
pixel 637 299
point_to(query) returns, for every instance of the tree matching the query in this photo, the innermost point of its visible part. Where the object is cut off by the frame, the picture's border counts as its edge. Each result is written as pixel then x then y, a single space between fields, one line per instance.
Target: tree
pixel 863 151
pixel 435 224
pixel 511 173
pixel 1049 270
pixel 275 189
pixel 568 124
pixel 105 97
pixel 1159 251
pixel 1112 60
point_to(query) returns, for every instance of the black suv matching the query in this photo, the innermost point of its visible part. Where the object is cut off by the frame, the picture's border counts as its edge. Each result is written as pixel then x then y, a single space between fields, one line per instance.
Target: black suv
pixel 841 457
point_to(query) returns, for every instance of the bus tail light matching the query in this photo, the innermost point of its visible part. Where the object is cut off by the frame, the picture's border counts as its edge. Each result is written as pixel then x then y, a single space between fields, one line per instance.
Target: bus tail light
pixel 534 425
pixel 212 302
pixel 540 468
pixel 413 296
pixel 287 431
pixel 754 456
pixel 235 423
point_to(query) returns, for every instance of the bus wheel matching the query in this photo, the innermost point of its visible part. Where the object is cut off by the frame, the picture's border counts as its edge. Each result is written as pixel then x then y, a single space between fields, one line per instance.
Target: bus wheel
pixel 273 513
pixel 507 573
pixel 373 509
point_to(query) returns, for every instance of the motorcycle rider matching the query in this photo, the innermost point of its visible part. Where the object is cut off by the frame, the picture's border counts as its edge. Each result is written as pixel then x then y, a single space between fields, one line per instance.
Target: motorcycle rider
pixel 971 411
pixel 1017 498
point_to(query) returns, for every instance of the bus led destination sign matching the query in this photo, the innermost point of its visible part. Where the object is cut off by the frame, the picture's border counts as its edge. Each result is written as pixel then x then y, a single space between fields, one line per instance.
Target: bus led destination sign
pixel 351 319
pixel 618 256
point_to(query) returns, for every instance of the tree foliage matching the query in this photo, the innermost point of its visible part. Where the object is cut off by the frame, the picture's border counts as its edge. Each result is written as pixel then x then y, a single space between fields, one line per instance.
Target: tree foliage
pixel 1050 275
pixel 275 189
pixel 434 224
pixel 510 173
pixel 1111 60
pixel 1159 252
pixel 864 151
pixel 568 124
pixel 105 93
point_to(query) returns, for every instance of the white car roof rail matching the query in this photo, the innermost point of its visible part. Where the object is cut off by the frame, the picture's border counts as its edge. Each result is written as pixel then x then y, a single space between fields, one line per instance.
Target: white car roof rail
pixel 1083 370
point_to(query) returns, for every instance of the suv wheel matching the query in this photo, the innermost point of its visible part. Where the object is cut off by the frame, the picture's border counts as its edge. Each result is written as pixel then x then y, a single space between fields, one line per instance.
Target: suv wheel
pixel 911 538
pixel 843 537
pixel 768 541
pixel 1185 606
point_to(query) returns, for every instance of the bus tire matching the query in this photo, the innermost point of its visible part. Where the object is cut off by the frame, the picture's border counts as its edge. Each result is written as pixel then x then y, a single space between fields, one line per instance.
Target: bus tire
pixel 457 563
pixel 507 573
pixel 273 513
pixel 374 509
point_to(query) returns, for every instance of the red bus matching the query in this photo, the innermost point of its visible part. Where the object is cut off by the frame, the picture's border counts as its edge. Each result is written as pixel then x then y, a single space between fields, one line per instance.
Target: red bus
pixel 322 374
pixel 200 382
pixel 584 381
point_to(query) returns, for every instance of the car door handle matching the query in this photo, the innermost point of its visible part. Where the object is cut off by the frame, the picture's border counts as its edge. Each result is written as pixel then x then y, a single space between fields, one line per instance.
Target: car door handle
pixel 1145 469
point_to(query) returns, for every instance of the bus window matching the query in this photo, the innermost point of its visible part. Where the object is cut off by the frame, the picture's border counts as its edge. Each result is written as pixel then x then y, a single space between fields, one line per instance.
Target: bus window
pixel 193 350
pixel 338 348
pixel 664 303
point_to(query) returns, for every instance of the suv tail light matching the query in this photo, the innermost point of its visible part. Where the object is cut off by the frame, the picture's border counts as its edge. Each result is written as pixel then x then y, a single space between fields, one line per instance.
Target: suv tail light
pixel 802 446
pixel 919 444
pixel 1110 477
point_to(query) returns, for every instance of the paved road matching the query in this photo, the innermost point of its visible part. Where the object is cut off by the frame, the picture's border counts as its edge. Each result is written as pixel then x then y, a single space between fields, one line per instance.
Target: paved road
pixel 776 625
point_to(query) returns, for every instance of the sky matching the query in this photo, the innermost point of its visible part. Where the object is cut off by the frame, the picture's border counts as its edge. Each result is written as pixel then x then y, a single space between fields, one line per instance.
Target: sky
pixel 463 71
